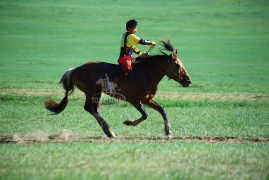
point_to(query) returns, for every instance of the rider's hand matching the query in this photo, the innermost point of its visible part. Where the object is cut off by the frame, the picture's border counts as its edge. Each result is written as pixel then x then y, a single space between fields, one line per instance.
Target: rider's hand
pixel 142 54
pixel 153 43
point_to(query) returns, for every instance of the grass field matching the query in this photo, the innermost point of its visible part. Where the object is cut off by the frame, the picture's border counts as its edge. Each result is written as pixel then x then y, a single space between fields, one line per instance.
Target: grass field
pixel 220 124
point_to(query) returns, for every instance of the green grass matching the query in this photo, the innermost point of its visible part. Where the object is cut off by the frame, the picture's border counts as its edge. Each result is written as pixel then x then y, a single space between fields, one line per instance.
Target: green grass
pixel 111 160
pixel 188 118
pixel 224 47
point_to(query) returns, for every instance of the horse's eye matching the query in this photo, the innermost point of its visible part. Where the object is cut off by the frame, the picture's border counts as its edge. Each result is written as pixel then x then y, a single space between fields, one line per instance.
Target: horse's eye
pixel 178 66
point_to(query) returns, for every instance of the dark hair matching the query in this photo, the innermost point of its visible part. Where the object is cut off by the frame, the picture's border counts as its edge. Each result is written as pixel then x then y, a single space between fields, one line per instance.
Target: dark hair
pixel 131 23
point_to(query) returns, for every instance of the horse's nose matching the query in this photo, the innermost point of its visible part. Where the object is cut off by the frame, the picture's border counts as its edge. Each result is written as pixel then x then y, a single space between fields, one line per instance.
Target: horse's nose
pixel 189 81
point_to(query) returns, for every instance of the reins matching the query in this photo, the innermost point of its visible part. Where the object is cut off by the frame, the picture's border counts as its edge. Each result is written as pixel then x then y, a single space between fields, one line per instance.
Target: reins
pixel 151 47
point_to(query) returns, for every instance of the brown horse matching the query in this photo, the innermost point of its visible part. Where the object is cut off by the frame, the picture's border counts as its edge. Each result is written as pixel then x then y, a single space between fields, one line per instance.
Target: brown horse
pixel 93 78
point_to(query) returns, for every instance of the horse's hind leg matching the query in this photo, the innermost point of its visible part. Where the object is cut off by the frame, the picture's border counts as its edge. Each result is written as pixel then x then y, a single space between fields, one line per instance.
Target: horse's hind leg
pixel 92 106
pixel 167 127
pixel 142 110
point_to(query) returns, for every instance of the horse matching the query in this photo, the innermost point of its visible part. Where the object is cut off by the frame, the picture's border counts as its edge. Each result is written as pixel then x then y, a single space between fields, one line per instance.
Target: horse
pixel 139 90
pixel 107 85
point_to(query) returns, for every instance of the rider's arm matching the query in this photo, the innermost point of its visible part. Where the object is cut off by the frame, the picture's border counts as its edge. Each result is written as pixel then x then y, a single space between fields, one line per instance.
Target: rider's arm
pixel 145 42
pixel 133 40
pixel 137 51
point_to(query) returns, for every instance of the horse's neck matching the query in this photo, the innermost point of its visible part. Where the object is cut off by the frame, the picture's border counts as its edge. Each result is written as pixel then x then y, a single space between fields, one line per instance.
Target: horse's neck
pixel 155 71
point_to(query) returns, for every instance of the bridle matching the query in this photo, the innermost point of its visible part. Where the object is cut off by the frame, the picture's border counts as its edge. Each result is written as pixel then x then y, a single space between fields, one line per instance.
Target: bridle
pixel 173 71
pixel 170 67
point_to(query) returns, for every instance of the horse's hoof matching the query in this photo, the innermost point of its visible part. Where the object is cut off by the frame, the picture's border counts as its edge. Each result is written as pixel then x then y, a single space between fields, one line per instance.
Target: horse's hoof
pixel 128 122
pixel 169 136
pixel 110 134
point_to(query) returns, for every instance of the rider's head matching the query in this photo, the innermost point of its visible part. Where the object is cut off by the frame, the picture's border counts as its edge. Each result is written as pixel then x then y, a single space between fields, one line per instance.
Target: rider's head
pixel 131 26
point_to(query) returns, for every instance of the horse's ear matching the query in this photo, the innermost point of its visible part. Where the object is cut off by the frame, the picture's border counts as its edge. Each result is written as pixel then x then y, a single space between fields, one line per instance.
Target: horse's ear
pixel 174 54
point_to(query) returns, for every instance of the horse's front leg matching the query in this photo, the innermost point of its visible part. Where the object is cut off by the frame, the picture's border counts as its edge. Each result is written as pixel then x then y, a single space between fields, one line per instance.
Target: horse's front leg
pixel 167 127
pixel 142 110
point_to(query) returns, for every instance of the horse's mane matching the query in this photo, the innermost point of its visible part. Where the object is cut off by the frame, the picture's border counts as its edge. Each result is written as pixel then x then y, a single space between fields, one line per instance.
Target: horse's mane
pixel 147 59
pixel 166 46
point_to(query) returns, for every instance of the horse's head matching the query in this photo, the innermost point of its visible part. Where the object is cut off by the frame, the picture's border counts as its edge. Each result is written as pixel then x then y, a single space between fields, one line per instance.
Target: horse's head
pixel 175 69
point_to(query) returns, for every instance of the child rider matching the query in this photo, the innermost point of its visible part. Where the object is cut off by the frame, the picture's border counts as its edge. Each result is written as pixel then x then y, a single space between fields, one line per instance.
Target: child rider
pixel 128 42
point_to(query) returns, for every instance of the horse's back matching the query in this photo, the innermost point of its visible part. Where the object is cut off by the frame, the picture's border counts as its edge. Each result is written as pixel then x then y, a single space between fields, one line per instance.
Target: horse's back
pixel 96 70
pixel 98 64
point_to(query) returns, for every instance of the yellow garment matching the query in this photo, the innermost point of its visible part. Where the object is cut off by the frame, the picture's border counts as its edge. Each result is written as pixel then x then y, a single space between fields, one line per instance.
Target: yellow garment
pixel 132 40
pixel 128 42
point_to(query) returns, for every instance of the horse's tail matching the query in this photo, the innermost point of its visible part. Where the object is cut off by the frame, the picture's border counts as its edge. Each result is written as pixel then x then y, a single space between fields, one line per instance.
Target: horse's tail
pixel 68 85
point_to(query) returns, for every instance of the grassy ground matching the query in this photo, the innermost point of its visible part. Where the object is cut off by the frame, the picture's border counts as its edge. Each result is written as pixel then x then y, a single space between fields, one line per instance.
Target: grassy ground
pixel 26 115
pixel 135 160
pixel 220 124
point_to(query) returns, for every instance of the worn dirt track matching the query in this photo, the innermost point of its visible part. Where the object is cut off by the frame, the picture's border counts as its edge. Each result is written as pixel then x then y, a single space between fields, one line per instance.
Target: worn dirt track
pixel 65 138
